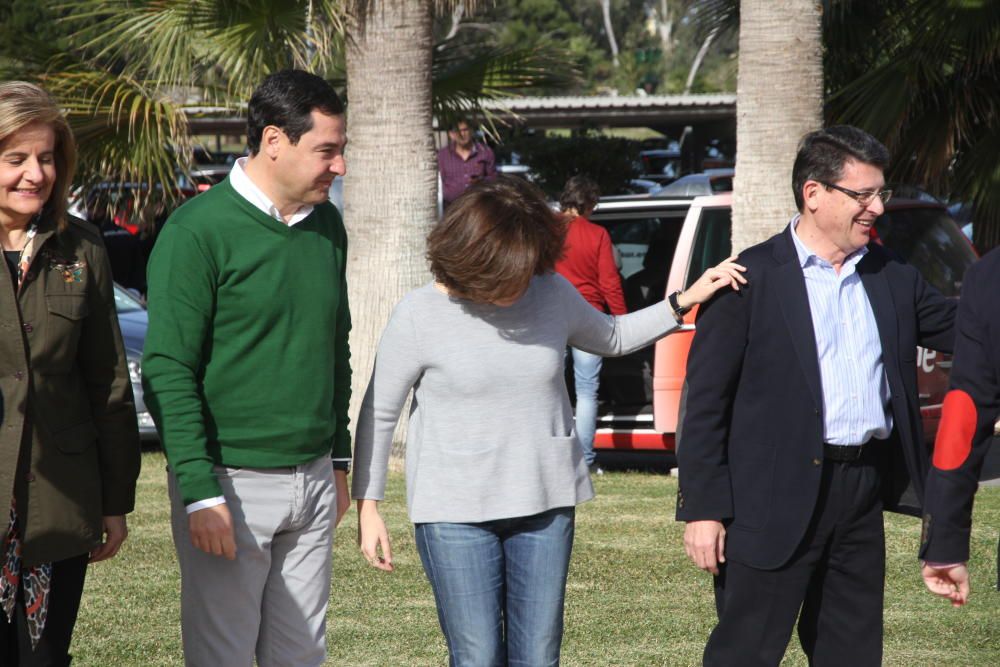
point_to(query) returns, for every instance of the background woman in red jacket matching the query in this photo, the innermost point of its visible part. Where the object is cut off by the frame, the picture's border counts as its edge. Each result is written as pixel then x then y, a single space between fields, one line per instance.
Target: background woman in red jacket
pixel 588 262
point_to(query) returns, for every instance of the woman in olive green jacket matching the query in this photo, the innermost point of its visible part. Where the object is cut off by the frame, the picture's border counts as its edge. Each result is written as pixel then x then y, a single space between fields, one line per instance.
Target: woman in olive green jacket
pixel 69 447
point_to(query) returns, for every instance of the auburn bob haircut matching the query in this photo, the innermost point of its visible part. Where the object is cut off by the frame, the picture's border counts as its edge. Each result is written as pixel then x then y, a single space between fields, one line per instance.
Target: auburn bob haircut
pixel 493 238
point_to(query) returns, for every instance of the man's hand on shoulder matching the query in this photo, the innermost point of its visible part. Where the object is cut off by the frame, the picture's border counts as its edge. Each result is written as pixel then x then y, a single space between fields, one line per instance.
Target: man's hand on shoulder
pixel 949 581
pixel 212 531
pixel 705 544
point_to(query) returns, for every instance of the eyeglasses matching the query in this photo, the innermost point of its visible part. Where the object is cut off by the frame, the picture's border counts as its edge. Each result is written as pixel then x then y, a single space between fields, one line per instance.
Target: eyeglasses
pixel 863 198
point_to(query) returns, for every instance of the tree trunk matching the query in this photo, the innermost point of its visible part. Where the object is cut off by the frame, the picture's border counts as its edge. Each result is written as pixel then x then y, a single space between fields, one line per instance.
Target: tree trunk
pixel 610 29
pixel 390 191
pixel 779 97
pixel 665 27
pixel 699 57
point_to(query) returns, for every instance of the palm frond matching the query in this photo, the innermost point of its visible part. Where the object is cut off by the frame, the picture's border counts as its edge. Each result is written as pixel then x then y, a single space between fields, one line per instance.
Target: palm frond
pixel 464 79
pixel 233 42
pixel 715 16
pixel 928 89
pixel 126 132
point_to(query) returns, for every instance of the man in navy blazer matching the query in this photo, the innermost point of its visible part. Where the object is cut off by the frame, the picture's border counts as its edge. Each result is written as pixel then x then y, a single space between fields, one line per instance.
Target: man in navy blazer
pixel 968 419
pixel 803 422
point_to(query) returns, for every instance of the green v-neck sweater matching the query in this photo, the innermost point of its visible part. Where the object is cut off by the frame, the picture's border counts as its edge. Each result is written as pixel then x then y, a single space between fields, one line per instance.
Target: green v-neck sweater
pixel 246 360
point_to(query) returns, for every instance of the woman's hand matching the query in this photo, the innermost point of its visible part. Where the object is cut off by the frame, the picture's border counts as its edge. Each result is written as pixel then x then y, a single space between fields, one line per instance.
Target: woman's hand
pixel 115 532
pixel 372 534
pixel 726 272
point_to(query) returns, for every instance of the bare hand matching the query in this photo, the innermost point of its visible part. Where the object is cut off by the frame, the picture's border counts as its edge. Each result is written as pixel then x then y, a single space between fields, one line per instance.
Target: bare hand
pixel 115 532
pixel 948 582
pixel 212 531
pixel 372 534
pixel 726 272
pixel 343 497
pixel 705 544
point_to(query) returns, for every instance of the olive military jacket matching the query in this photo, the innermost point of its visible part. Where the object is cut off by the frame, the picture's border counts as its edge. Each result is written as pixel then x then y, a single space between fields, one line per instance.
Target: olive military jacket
pixel 69 444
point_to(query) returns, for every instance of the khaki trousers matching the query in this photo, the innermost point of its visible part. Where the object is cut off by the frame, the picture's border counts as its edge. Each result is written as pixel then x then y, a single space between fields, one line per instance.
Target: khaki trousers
pixel 271 601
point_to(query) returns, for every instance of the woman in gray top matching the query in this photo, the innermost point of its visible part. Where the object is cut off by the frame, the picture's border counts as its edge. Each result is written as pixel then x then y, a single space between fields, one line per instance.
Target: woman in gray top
pixel 493 467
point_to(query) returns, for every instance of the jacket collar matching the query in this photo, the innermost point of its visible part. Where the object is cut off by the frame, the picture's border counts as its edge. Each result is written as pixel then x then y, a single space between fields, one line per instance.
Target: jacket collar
pixel 794 300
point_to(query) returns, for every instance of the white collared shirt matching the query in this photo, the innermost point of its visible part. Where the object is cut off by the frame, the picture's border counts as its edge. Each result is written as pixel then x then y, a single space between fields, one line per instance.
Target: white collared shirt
pixel 855 387
pixel 248 190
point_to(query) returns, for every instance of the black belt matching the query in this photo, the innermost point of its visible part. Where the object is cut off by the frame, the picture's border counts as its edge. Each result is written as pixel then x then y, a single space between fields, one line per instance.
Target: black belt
pixel 842 452
pixel 848 453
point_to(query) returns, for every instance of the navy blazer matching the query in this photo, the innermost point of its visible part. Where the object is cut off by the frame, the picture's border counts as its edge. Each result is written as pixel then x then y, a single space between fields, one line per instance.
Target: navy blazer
pixel 970 411
pixel 752 452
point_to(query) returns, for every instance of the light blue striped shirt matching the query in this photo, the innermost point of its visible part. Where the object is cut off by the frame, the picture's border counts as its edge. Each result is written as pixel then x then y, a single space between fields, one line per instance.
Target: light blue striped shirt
pixel 855 388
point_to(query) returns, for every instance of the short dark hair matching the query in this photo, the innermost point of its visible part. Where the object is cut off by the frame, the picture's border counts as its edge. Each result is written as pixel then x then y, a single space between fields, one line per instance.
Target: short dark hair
pixel 286 99
pixel 460 119
pixel 822 155
pixel 580 192
pixel 493 238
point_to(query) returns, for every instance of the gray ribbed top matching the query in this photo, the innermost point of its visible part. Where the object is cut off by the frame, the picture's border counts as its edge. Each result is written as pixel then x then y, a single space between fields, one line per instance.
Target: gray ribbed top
pixel 491 427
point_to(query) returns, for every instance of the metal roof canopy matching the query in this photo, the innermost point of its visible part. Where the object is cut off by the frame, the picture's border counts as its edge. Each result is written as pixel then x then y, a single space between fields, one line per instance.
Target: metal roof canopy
pixel 616 111
pixel 661 112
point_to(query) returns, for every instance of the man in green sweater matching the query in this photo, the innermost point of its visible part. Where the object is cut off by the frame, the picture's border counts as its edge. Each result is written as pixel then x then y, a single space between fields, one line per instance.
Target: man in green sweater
pixel 247 374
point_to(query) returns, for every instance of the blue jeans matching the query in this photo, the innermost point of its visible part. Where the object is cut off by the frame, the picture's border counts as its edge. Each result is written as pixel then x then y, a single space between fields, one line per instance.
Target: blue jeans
pixel 586 376
pixel 500 586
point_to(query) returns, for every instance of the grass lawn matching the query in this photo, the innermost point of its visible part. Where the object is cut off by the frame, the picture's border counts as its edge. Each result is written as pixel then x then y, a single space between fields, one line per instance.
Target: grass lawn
pixel 633 598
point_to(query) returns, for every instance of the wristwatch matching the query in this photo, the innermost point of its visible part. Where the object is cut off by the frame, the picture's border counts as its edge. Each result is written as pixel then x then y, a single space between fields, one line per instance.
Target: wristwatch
pixel 674 306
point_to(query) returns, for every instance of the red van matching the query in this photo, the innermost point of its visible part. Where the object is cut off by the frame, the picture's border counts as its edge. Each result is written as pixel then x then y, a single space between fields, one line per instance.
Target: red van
pixel 665 243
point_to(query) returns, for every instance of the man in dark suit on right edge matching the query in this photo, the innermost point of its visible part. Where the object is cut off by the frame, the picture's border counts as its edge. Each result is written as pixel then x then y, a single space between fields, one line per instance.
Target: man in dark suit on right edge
pixel 802 419
pixel 968 419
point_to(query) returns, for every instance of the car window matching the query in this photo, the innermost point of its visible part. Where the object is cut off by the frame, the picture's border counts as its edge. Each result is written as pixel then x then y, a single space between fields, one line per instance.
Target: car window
pixel 721 184
pixel 667 165
pixel 644 243
pixel 712 241
pixel 928 239
pixel 125 302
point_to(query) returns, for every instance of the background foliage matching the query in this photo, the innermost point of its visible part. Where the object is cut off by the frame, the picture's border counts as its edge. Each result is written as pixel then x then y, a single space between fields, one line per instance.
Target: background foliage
pixel 610 161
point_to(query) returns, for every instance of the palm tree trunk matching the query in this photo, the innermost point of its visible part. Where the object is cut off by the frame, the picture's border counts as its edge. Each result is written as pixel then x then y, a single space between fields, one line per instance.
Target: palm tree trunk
pixel 390 190
pixel 779 97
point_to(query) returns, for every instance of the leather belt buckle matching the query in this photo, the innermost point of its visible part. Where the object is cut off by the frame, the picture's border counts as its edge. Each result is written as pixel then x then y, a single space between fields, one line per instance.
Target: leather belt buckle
pixel 842 453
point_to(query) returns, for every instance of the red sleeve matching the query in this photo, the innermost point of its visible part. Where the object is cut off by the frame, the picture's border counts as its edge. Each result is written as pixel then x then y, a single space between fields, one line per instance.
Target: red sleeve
pixel 607 275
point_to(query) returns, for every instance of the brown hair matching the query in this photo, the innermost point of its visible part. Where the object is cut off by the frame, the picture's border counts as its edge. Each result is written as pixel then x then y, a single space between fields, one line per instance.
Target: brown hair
pixel 580 193
pixel 22 104
pixel 494 237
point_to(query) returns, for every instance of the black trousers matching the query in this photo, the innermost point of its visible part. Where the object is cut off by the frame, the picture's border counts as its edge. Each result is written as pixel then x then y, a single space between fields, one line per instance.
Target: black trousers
pixel 834 583
pixel 64 603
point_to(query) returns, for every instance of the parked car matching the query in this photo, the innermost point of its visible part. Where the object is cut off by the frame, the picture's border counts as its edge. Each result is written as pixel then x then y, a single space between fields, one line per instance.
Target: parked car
pixel 661 165
pixel 133 321
pixel 204 176
pixel 708 182
pixel 121 203
pixel 666 243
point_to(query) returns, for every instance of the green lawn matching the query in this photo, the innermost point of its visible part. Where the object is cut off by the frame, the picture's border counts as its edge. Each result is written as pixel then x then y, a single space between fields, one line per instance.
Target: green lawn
pixel 633 598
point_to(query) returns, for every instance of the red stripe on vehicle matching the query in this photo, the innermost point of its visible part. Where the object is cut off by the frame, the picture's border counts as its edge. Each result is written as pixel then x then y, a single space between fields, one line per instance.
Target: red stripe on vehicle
pixel 632 440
